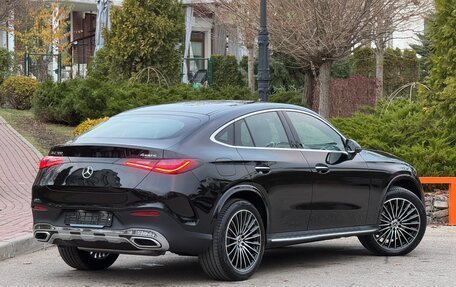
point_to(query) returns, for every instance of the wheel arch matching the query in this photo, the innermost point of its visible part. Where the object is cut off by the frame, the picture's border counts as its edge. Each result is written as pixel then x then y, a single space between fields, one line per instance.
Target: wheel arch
pixel 249 193
pixel 406 181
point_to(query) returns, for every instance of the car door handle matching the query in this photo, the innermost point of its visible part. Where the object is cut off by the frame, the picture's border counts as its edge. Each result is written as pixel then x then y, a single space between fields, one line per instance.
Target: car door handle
pixel 263 169
pixel 322 168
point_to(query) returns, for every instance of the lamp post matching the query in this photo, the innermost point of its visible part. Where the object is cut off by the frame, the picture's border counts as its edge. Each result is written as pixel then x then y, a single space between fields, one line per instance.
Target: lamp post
pixel 264 76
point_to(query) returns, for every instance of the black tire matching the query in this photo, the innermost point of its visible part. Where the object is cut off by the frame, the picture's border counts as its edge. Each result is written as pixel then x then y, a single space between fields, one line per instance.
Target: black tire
pixel 402 226
pixel 85 260
pixel 219 261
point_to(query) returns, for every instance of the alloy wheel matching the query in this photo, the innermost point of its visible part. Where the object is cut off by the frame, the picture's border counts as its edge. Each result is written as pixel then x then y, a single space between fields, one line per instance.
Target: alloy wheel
pixel 243 241
pixel 399 224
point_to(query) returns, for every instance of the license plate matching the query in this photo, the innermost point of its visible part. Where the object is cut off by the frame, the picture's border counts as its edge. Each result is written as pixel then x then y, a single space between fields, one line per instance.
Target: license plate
pixel 81 218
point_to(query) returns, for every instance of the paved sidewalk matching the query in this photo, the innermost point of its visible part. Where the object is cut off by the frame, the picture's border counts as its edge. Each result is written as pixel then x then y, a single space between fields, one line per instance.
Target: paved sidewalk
pixel 18 167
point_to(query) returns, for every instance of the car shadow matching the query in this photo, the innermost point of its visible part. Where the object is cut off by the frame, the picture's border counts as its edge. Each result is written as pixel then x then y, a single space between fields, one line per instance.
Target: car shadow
pixel 160 271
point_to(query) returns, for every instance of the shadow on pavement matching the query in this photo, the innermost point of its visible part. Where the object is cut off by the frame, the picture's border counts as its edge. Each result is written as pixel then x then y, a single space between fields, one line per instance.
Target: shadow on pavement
pixel 158 271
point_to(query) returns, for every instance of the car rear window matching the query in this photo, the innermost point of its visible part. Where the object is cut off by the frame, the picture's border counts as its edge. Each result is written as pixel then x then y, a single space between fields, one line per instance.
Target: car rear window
pixel 154 127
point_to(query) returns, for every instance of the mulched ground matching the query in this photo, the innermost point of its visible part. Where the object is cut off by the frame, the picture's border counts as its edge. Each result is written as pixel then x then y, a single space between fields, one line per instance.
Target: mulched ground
pixel 41 132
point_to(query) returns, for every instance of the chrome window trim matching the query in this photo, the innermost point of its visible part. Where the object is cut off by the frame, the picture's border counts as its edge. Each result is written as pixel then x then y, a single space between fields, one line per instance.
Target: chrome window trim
pixel 214 134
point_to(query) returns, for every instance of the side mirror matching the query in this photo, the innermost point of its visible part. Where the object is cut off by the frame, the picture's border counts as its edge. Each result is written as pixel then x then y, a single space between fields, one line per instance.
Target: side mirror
pixel 336 157
pixel 352 147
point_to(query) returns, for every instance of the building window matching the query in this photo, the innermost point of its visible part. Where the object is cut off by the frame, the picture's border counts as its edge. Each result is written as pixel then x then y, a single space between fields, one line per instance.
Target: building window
pixel 197 43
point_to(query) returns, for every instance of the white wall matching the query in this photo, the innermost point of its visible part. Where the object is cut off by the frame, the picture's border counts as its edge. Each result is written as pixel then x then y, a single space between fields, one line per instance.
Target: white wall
pixel 405 35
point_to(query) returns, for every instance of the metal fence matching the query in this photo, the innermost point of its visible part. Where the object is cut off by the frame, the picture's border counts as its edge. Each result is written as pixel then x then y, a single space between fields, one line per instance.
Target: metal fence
pixel 43 67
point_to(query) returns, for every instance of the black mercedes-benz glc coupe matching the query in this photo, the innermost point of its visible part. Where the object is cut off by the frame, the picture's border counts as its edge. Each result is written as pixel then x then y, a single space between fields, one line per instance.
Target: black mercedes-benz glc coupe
pixel 222 181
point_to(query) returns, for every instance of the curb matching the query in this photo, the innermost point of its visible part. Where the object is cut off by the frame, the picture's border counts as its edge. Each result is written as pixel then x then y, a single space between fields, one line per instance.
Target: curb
pixel 20 245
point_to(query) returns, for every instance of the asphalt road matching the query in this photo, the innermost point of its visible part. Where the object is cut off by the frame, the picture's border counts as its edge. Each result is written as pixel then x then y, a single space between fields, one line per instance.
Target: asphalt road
pixel 342 262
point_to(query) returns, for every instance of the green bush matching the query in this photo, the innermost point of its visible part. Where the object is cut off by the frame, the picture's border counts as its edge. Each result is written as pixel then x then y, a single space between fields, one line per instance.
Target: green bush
pixel 226 72
pixel 294 98
pixel 342 68
pixel 73 101
pixel 100 66
pixel 410 130
pixel 6 63
pixel 17 92
pixel 364 62
pixel 144 34
pixel 54 102
pixel 285 76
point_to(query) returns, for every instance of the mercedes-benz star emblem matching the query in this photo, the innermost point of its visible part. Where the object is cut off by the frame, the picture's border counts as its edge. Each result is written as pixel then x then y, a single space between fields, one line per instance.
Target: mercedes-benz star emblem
pixel 87 172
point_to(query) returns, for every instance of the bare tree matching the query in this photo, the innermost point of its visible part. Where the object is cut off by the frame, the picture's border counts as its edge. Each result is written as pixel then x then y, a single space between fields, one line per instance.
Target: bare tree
pixel 8 9
pixel 398 16
pixel 318 32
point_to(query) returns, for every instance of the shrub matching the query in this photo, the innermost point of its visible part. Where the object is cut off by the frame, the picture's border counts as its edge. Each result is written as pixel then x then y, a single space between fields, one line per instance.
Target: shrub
pixel 73 101
pixel 87 125
pixel 17 92
pixel 55 102
pixel 410 130
pixel 294 98
pixel 6 63
pixel 226 71
pixel 342 68
pixel 285 76
pixel 364 62
pixel 145 34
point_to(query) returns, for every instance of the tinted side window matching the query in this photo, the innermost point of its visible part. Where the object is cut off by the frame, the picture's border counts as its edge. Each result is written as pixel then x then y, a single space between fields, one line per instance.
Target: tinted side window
pixel 267 130
pixel 315 134
pixel 243 136
pixel 226 136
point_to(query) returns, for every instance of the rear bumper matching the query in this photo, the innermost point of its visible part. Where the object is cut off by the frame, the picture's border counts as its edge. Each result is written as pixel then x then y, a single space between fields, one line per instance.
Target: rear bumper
pixel 135 241
pixel 128 234
pixel 125 241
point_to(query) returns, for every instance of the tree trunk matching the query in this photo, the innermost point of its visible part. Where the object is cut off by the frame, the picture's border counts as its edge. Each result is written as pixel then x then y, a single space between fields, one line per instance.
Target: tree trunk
pixel 324 77
pixel 379 64
pixel 307 96
pixel 251 68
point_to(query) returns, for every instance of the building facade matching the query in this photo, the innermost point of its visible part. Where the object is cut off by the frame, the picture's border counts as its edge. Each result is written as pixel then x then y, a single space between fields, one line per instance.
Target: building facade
pixel 206 38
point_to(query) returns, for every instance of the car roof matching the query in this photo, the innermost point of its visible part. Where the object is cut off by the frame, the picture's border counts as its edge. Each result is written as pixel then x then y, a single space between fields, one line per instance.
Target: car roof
pixel 214 108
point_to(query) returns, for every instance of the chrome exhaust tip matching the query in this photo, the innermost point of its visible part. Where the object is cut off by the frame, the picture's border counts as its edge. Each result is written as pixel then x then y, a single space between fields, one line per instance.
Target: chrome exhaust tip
pixel 145 243
pixel 42 236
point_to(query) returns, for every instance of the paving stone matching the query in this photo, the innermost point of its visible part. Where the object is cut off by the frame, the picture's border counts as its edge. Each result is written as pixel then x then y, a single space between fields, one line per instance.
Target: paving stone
pixel 18 168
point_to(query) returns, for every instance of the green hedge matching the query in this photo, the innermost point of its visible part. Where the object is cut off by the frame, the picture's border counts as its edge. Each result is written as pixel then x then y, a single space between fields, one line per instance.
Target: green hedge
pixel 292 97
pixel 73 101
pixel 226 72
pixel 418 132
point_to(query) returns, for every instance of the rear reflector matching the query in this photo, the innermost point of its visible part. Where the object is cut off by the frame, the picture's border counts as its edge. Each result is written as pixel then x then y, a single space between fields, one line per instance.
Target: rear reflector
pixel 167 166
pixel 146 213
pixel 39 208
pixel 49 161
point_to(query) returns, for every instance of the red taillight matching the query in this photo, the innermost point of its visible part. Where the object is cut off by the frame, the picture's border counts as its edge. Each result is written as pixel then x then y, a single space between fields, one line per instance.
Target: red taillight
pixel 49 161
pixel 175 166
pixel 39 208
pixel 168 166
pixel 143 164
pixel 146 213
